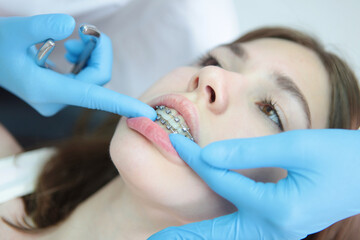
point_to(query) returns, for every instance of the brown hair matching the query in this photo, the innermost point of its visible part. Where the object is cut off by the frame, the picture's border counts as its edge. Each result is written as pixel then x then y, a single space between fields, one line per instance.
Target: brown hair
pixel 82 165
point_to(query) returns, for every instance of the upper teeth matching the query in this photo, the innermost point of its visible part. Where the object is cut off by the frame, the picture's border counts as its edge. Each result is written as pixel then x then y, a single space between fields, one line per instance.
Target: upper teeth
pixel 172 121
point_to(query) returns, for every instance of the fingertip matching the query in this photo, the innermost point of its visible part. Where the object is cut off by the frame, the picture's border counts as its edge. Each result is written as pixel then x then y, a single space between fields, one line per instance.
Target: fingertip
pixel 176 139
pixel 182 147
pixel 140 109
pixel 151 113
pixel 64 23
pixel 186 148
pixel 69 22
pixel 74 46
pixel 56 26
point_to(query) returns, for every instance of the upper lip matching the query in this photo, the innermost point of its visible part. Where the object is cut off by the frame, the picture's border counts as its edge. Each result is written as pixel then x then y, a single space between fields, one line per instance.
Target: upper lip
pixel 184 107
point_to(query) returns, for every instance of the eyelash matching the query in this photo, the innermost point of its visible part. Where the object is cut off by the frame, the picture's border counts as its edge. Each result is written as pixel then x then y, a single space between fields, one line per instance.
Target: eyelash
pixel 208 60
pixel 270 103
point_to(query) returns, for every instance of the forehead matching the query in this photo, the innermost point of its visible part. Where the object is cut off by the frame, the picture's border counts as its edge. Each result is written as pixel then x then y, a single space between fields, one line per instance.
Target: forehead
pixel 299 63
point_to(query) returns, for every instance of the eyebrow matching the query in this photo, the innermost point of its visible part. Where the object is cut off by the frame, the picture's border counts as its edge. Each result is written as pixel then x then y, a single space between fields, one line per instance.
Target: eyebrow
pixel 287 84
pixel 284 82
pixel 238 50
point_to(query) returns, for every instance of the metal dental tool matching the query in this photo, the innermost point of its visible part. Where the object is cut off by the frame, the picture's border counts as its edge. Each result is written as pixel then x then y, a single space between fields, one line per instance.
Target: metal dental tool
pixel 44 52
pixel 94 34
pixel 87 31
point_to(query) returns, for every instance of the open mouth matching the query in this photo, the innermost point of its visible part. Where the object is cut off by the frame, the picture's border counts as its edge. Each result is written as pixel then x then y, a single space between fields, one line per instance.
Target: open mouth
pixel 168 121
pixel 172 122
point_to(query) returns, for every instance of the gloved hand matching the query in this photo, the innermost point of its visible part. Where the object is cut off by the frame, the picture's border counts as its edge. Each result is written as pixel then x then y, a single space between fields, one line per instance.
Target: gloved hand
pixel 48 91
pixel 322 186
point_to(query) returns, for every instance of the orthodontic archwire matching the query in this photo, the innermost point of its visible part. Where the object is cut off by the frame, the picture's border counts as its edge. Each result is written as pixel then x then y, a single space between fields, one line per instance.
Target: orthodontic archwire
pixel 176 119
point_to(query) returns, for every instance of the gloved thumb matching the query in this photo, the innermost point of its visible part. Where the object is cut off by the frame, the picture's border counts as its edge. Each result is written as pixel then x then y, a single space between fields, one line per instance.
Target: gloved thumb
pixel 28 31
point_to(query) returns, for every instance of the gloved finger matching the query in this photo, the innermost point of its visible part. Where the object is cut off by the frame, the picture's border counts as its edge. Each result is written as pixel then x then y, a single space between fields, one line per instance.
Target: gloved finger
pixel 99 66
pixel 47 109
pixel 208 229
pixel 88 95
pixel 84 37
pixel 32 51
pixel 74 46
pixel 226 183
pixel 71 58
pixel 27 31
pixel 70 75
pixel 280 150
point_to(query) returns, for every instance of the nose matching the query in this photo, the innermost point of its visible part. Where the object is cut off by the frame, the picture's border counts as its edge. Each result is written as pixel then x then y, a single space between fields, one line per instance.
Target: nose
pixel 212 84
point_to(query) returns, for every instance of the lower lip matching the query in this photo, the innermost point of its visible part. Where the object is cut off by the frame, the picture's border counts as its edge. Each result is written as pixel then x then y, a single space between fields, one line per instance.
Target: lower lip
pixel 157 135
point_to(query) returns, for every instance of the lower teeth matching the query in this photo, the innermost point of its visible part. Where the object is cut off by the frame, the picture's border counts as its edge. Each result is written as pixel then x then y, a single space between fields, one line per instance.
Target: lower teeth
pixel 172 123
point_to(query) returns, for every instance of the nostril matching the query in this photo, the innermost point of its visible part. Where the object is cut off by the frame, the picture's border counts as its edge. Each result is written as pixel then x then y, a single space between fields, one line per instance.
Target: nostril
pixel 212 94
pixel 196 83
pixel 193 84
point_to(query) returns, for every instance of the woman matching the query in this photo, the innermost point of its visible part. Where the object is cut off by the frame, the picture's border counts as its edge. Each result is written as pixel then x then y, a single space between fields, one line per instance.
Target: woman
pixel 268 81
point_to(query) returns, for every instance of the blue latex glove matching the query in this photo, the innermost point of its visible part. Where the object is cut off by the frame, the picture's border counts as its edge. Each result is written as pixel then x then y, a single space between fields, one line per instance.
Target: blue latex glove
pixel 322 186
pixel 48 91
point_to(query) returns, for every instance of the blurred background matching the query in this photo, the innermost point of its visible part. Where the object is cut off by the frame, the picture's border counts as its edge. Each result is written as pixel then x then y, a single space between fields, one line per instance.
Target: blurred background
pixel 333 22
pixel 151 37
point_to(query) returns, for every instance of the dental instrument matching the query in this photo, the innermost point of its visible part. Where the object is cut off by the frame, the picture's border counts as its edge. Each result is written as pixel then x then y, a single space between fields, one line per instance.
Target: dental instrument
pixel 94 34
pixel 86 30
pixel 44 52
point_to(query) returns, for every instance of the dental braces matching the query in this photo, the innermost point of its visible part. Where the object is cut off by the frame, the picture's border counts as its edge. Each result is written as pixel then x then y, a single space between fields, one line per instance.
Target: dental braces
pixel 165 122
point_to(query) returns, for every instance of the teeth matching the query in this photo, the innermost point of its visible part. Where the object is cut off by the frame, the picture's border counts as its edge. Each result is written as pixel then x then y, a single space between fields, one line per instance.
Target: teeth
pixel 170 120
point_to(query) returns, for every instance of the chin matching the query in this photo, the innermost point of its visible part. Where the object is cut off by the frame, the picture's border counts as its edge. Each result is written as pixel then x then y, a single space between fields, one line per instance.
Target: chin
pixel 150 176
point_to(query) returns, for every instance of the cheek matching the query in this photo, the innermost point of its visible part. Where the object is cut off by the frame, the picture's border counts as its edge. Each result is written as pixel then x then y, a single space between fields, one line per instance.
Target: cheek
pixel 238 122
pixel 176 81
pixel 243 123
pixel 136 159
pixel 146 173
pixel 264 174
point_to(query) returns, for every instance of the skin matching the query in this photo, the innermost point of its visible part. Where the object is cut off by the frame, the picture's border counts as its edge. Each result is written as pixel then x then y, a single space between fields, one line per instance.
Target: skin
pixel 153 192
pixel 238 86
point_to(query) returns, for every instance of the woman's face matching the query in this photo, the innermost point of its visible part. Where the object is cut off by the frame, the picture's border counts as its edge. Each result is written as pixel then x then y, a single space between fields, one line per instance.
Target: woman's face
pixel 243 90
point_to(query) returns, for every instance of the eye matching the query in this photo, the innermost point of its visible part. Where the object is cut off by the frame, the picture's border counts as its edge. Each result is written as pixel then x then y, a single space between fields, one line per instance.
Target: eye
pixel 269 109
pixel 208 60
